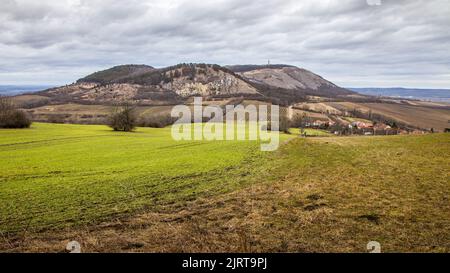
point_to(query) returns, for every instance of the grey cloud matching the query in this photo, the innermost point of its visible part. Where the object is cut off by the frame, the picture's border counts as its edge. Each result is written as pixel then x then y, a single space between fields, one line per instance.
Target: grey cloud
pixel 346 41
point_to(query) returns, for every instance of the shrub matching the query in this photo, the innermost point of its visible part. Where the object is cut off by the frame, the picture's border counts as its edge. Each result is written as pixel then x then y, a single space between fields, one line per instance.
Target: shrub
pixel 123 118
pixel 11 117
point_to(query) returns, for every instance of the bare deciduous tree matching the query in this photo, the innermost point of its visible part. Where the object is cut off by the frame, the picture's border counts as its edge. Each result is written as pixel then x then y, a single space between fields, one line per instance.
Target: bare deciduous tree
pixel 123 118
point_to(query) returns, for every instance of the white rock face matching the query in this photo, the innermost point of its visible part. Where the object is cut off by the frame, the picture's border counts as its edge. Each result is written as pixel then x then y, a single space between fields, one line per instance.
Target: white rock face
pixel 96 92
pixel 209 83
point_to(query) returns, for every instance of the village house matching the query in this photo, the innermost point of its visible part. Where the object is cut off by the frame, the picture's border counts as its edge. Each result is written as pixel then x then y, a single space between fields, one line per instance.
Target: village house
pixel 381 126
pixel 361 125
pixel 319 124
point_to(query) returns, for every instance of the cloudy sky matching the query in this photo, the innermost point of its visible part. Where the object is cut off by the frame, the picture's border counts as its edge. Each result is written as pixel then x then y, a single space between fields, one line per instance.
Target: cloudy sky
pixel 354 44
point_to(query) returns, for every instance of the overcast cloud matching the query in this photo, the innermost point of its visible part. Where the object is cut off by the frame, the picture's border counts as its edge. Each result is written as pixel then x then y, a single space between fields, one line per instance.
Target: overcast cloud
pixel 398 43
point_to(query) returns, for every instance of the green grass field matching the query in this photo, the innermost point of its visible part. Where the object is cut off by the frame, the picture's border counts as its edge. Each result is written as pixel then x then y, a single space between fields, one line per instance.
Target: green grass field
pixel 58 175
pixel 110 190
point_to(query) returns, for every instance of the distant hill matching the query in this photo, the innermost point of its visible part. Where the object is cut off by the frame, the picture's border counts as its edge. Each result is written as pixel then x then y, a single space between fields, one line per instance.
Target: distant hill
pixel 149 86
pixel 11 90
pixel 288 77
pixel 410 93
pixel 146 85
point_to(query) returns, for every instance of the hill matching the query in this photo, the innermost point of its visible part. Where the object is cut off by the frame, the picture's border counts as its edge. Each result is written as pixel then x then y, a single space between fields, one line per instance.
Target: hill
pixel 290 78
pixel 147 85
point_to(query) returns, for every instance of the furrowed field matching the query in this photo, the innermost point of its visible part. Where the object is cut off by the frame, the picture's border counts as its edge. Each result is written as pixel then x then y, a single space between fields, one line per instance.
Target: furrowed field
pixel 143 191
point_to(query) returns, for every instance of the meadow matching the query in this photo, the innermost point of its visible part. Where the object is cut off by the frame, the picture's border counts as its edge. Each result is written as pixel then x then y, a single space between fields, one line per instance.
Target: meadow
pixel 55 175
pixel 142 191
